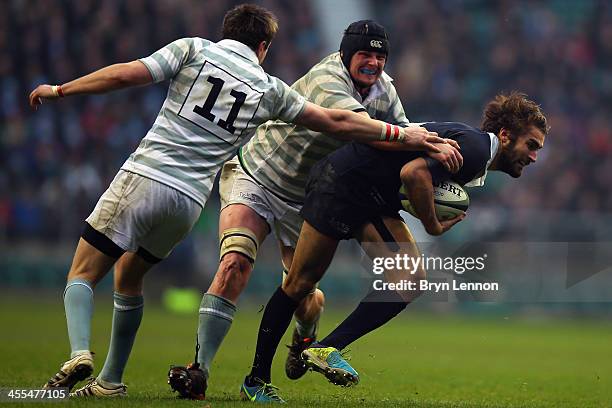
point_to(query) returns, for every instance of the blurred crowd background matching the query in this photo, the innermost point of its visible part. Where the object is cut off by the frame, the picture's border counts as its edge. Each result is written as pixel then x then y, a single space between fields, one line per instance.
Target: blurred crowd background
pixel 448 58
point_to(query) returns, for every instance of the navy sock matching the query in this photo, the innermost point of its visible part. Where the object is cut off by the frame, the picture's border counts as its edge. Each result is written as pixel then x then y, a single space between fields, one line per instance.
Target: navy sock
pixel 274 322
pixel 369 315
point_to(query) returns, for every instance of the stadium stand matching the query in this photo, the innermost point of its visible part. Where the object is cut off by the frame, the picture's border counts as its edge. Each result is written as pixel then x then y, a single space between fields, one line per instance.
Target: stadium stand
pixel 55 163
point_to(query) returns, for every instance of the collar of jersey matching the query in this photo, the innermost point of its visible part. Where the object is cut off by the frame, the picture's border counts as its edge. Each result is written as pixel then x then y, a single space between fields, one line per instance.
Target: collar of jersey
pixel 239 48
pixel 479 181
pixel 376 91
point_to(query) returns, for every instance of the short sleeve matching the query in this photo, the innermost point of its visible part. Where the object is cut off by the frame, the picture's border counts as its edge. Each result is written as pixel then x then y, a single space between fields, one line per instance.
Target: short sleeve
pixel 166 62
pixel 290 104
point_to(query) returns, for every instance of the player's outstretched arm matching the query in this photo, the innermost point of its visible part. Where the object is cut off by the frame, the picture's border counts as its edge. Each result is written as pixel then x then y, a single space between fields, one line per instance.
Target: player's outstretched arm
pixel 347 125
pixel 417 179
pixel 107 79
pixel 449 154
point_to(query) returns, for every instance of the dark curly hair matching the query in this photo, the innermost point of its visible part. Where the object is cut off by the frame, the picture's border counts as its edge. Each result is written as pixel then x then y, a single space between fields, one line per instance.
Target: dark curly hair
pixel 250 24
pixel 514 113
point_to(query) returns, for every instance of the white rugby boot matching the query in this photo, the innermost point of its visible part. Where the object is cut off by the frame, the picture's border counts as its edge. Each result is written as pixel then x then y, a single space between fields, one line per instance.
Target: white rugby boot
pixel 72 371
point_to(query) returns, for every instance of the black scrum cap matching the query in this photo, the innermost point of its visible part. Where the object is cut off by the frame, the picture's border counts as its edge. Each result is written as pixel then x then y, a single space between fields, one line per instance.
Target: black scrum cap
pixel 363 35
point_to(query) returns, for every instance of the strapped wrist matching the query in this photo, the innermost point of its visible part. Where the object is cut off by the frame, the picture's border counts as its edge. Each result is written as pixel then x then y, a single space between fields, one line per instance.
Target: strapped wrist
pixel 57 91
pixel 391 133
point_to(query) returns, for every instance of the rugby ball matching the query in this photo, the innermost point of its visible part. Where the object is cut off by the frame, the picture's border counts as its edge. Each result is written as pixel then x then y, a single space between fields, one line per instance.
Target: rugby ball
pixel 450 200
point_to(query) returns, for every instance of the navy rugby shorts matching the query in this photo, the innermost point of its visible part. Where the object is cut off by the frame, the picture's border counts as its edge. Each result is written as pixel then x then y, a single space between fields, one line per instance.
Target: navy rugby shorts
pixel 340 205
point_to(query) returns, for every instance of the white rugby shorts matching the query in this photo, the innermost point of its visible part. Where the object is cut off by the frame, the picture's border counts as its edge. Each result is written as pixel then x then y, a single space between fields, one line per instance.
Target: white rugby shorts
pixel 142 215
pixel 237 187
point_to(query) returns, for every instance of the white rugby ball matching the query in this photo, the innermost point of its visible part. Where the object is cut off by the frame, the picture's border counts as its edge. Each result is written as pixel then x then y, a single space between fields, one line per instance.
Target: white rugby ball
pixel 450 200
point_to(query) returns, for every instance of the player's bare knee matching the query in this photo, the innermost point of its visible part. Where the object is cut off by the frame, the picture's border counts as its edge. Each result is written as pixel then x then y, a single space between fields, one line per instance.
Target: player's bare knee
pixel 318 298
pixel 298 288
pixel 311 306
pixel 313 300
pixel 238 250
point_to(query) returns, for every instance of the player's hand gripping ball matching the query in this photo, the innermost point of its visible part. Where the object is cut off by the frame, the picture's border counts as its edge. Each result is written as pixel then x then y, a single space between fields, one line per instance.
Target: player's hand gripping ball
pixel 450 200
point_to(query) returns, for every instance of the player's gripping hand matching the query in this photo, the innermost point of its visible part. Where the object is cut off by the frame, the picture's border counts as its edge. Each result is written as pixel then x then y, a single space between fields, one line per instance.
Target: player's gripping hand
pixel 444 226
pixel 43 92
pixel 453 143
pixel 420 139
pixel 449 155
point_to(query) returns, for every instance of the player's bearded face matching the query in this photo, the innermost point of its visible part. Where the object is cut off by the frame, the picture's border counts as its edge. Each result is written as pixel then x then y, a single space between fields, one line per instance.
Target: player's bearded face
pixel 508 162
pixel 367 67
pixel 521 152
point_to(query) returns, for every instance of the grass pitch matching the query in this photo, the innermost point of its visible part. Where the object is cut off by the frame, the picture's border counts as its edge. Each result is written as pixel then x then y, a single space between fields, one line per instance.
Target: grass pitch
pixel 417 360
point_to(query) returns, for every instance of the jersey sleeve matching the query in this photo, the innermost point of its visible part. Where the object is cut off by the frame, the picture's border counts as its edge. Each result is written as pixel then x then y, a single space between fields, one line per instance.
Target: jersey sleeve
pixel 166 62
pixel 290 104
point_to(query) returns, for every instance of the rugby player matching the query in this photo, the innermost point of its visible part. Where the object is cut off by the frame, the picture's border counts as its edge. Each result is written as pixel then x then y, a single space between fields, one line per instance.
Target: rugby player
pixel 218 95
pixel 353 193
pixel 263 188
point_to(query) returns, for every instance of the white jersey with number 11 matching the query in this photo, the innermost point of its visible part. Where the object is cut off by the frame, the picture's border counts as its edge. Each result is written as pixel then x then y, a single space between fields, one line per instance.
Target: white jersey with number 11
pixel 218 95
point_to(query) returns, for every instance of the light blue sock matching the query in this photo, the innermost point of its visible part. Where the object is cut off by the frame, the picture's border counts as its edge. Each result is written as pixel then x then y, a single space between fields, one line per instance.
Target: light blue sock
pixel 127 316
pixel 216 316
pixel 78 304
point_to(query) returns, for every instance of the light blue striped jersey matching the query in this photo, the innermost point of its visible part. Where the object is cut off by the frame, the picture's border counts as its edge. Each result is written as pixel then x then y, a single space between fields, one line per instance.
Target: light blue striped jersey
pixel 217 97
pixel 280 155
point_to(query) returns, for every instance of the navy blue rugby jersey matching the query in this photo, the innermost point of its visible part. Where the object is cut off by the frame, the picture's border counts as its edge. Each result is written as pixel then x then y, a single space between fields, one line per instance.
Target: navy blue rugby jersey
pixel 374 173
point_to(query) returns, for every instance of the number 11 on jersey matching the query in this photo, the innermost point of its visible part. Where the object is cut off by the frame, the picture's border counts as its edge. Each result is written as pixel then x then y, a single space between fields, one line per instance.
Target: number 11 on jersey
pixel 220 103
pixel 206 109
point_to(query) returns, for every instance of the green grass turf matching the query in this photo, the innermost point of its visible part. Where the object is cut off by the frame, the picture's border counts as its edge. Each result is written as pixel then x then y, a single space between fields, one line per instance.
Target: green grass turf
pixel 417 360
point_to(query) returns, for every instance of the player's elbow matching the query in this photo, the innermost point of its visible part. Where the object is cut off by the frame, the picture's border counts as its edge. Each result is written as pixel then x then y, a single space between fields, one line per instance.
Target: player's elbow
pixel 415 172
pixel 118 75
pixel 335 123
pixel 130 74
pixel 340 123
pixel 434 229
